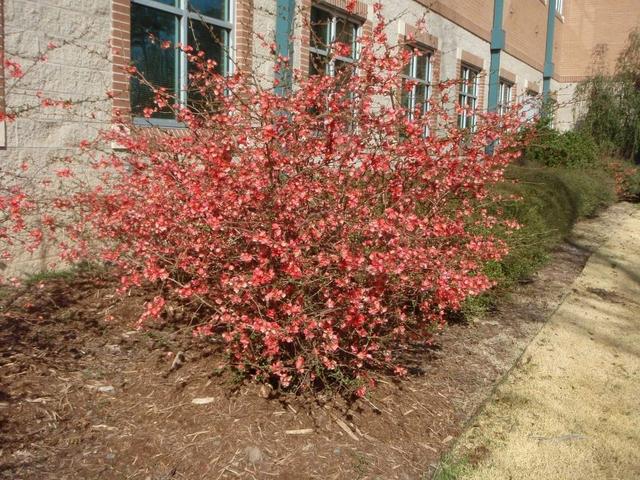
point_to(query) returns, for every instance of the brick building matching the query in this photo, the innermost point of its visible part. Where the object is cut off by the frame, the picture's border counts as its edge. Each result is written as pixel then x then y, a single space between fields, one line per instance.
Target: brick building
pixel 504 49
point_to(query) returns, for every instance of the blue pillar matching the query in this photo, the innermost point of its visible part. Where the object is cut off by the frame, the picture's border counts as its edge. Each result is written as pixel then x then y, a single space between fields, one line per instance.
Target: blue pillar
pixel 548 54
pixel 497 45
pixel 285 14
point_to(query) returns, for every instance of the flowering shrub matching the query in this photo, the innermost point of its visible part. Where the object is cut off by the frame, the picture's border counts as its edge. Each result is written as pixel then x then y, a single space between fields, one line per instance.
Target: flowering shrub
pixel 319 231
pixel 626 177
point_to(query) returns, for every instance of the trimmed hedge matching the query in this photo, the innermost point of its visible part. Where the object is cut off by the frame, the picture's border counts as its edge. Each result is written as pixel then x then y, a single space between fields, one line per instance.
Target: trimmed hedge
pixel 552 200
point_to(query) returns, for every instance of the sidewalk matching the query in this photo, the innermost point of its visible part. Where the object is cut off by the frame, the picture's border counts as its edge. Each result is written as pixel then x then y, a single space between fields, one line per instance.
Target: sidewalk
pixel 570 409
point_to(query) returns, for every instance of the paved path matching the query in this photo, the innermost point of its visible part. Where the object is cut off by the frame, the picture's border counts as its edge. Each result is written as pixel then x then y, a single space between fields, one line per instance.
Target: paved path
pixel 571 407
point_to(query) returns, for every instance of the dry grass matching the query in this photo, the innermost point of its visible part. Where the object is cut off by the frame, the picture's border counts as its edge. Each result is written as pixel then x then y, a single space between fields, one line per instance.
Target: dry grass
pixel 570 409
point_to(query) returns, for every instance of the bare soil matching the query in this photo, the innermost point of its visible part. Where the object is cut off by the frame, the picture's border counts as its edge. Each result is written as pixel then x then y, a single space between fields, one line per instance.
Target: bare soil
pixel 83 397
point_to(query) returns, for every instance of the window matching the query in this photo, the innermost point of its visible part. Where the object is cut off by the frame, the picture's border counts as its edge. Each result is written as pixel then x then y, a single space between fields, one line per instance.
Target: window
pixel 559 6
pixel 468 97
pixel 203 24
pixel 418 72
pixel 504 96
pixel 328 28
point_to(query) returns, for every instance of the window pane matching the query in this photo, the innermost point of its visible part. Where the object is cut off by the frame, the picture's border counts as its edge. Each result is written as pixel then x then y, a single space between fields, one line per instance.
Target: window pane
pixel 409 66
pixel 421 97
pixel 173 3
pixel 471 102
pixel 320 29
pixel 346 32
pixel 210 8
pixel 318 64
pixel 423 67
pixel 149 28
pixel 465 83
pixel 473 83
pixel 212 40
pixel 405 98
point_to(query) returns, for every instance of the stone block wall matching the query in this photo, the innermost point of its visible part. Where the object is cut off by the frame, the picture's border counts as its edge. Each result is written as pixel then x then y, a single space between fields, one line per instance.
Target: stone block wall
pixel 77 70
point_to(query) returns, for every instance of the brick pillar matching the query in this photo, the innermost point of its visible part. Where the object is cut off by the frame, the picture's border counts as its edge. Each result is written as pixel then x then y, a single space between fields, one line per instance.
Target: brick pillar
pixel 121 56
pixel 243 29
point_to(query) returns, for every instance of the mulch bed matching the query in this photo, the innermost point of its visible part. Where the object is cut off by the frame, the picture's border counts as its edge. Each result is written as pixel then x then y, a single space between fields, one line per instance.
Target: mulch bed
pixel 82 397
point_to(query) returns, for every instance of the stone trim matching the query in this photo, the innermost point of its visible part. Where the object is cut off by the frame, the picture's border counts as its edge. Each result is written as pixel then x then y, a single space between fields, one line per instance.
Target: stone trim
pixel 508 76
pixel 121 50
pixel 472 60
pixel 413 35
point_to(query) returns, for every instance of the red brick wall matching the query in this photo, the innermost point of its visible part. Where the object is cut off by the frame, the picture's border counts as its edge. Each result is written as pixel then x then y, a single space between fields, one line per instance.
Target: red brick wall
pixel 121 54
pixel 590 25
pixel 244 34
pixel 525 22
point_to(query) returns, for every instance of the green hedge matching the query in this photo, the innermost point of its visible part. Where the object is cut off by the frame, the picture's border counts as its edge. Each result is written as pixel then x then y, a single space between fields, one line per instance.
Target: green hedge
pixel 553 199
pixel 573 149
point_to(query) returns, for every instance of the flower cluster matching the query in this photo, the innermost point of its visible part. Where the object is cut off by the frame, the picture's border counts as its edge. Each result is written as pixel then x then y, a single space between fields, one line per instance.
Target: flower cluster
pixel 626 177
pixel 319 231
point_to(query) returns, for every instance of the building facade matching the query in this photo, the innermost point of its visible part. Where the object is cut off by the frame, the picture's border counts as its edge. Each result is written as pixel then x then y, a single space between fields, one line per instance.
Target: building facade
pixel 503 50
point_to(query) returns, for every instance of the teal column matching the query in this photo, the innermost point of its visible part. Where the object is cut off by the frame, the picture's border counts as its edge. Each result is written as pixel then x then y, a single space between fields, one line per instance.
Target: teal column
pixel 285 14
pixel 548 54
pixel 497 45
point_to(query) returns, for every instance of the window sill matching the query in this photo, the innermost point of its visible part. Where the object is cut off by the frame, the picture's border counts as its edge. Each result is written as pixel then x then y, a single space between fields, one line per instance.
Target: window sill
pixel 157 122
